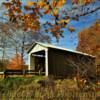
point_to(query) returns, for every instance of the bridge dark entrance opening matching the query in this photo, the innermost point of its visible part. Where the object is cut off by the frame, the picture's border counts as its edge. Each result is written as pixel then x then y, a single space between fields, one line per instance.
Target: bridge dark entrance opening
pixel 39 60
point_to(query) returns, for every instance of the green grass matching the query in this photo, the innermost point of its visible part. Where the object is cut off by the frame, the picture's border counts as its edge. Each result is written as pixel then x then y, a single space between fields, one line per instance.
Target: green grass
pixel 29 89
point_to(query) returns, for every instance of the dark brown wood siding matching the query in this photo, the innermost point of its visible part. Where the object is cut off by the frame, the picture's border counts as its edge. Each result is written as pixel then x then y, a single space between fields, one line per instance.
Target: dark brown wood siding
pixel 64 64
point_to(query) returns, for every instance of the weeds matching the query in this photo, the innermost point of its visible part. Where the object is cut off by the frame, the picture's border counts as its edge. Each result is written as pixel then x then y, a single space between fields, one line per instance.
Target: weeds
pixel 31 89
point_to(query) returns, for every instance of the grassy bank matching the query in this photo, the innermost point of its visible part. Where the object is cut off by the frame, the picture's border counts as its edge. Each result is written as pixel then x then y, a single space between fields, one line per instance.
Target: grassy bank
pixel 35 88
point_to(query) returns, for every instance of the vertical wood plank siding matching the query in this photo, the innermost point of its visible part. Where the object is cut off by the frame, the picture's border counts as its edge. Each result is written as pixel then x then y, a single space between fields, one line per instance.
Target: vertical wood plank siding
pixel 63 64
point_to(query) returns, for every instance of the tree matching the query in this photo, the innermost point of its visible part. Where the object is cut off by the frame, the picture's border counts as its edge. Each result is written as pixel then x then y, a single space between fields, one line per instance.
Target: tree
pixel 16 63
pixel 25 39
pixel 3 64
pixel 6 31
pixel 29 16
pixel 89 42
pixel 14 41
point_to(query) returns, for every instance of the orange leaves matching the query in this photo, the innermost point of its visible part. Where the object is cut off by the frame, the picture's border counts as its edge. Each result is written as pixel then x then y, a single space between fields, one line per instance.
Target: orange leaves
pixel 71 29
pixel 27 7
pixel 17 9
pixel 16 62
pixel 31 26
pixel 32 22
pixel 89 40
pixel 60 3
pixel 41 4
pixel 11 3
pixel 35 27
pixel 54 7
pixel 47 10
pixel 29 3
pixel 57 4
pixel 53 4
pixel 30 17
pixel 81 1
pixel 87 1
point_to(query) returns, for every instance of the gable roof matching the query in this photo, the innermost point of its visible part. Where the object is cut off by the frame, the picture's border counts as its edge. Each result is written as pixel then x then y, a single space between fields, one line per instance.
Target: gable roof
pixel 59 48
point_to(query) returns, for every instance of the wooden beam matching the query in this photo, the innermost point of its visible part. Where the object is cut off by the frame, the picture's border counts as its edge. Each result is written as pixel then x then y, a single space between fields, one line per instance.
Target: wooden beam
pixel 29 62
pixel 46 62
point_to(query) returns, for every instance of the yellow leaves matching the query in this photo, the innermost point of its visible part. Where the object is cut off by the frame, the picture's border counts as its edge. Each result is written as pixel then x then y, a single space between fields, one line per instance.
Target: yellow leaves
pixel 62 21
pixel 63 1
pixel 29 3
pixel 31 23
pixel 57 4
pixel 81 1
pixel 53 4
pixel 41 4
pixel 47 10
pixel 60 3
pixel 54 7
pixel 55 12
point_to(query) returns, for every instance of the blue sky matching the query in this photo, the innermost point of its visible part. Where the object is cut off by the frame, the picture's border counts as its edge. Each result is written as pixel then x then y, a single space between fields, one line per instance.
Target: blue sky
pixel 70 40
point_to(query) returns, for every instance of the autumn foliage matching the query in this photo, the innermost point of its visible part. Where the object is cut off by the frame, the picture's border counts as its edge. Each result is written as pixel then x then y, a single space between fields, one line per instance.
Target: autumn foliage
pixel 16 63
pixel 89 41
pixel 28 16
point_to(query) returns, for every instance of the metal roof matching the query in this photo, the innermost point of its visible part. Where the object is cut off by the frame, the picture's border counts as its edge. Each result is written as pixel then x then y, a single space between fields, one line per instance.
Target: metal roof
pixel 56 47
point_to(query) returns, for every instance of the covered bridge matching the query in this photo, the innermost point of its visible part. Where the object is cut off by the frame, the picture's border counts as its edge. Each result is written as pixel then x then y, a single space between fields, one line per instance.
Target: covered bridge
pixel 58 61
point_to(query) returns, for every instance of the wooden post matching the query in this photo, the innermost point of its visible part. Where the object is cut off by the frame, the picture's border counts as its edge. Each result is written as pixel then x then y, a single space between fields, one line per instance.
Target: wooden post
pixel 46 62
pixel 29 58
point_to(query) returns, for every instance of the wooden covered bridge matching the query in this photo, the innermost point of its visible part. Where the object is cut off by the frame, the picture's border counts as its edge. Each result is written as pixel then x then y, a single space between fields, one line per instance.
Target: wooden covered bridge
pixel 58 61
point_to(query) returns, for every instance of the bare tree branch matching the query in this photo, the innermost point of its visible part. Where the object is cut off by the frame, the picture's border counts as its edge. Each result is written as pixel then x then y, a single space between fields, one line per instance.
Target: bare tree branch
pixel 91 11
